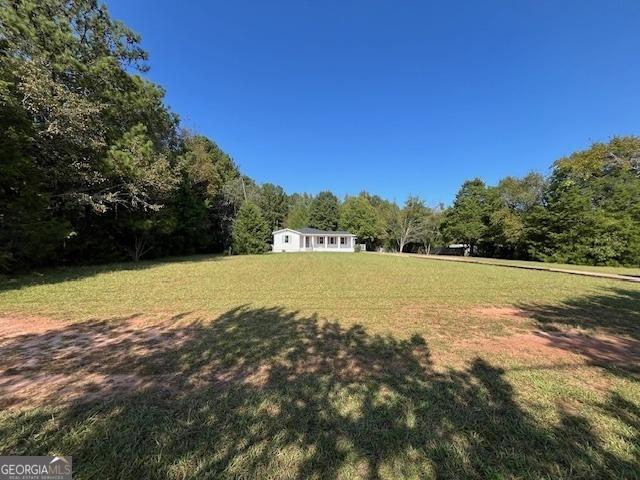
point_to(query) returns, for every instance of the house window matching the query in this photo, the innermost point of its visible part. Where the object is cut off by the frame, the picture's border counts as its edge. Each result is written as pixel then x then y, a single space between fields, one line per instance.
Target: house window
pixel 332 240
pixel 343 240
pixel 286 239
pixel 320 240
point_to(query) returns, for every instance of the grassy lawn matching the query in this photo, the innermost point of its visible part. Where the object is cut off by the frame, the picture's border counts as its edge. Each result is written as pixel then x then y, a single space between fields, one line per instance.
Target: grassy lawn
pixel 630 271
pixel 627 271
pixel 322 366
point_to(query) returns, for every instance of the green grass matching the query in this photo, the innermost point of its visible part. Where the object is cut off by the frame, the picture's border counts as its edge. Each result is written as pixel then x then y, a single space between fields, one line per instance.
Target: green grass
pixel 630 271
pixel 320 366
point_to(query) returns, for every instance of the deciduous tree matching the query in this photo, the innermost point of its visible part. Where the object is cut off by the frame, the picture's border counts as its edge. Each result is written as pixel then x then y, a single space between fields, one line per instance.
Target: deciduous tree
pixel 403 223
pixel 358 216
pixel 467 221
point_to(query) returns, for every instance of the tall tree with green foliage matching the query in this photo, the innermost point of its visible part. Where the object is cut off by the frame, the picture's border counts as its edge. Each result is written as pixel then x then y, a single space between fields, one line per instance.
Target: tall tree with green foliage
pixel 250 230
pixel 299 211
pixel 522 194
pixel 274 204
pixel 428 227
pixel 385 210
pixel 403 223
pixel 357 216
pixel 67 65
pixel 507 223
pixel 591 211
pixel 203 218
pixel 29 234
pixel 467 221
pixel 325 211
pixel 84 134
pixel 206 165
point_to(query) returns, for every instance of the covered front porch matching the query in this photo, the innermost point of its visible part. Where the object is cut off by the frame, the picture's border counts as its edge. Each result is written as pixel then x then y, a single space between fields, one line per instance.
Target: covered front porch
pixel 326 243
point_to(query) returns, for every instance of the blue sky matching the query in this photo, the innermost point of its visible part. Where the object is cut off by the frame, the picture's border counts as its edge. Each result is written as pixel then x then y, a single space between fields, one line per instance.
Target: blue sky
pixel 395 97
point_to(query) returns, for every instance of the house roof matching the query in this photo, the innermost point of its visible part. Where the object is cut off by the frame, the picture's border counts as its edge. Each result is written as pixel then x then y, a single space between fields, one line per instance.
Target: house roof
pixel 316 231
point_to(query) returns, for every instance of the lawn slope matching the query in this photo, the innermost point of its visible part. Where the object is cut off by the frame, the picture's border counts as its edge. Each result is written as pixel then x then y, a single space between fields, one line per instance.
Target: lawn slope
pixel 321 366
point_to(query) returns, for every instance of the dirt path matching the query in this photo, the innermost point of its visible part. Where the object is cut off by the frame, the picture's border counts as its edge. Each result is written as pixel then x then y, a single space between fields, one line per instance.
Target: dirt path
pixel 498 263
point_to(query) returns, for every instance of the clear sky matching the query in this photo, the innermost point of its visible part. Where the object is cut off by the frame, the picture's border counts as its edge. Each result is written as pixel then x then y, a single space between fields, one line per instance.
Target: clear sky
pixel 395 97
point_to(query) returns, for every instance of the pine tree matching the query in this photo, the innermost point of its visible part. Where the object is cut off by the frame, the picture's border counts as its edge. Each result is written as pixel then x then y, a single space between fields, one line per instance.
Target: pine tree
pixel 274 204
pixel 250 231
pixel 298 216
pixel 325 211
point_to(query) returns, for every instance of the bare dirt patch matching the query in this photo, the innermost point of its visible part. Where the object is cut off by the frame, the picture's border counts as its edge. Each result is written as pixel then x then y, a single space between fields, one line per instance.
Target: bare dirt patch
pixel 58 363
pixel 570 346
pixel 499 312
pixel 590 345
pixel 603 349
pixel 13 325
pixel 27 390
pixel 46 360
pixel 526 346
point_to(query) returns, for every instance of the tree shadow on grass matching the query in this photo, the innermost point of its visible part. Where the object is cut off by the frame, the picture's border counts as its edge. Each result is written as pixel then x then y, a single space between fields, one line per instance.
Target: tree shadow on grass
pixel 616 311
pixel 266 392
pixel 608 323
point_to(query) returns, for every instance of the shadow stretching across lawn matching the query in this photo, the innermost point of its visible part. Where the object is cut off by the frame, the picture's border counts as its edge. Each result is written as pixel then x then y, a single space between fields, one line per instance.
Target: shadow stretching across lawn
pixel 616 311
pixel 260 393
pixel 608 328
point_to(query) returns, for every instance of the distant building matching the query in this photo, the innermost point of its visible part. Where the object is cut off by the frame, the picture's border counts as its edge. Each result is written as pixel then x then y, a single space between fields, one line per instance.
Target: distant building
pixel 460 249
pixel 313 240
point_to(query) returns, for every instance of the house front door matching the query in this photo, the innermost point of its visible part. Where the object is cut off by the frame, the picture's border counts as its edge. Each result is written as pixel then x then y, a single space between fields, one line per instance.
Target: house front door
pixel 307 244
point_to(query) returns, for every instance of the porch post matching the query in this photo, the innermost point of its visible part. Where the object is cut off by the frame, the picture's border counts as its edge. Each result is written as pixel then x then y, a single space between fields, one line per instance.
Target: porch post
pixel 326 241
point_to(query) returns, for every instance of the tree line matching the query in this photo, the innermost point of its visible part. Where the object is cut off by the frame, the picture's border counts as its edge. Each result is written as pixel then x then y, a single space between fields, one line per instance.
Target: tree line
pixel 587 211
pixel 377 223
pixel 94 167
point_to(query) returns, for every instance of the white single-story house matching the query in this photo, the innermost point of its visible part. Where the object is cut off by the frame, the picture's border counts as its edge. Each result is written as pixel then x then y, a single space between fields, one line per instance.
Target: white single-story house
pixel 313 240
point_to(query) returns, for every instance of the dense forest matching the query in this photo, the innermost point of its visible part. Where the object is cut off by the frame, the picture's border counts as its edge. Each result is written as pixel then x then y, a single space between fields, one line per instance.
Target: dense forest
pixel 94 167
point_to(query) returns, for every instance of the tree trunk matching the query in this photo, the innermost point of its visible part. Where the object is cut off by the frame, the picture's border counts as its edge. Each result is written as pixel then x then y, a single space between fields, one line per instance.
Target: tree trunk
pixel 139 248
